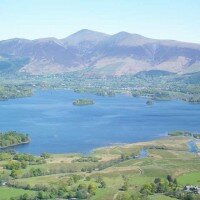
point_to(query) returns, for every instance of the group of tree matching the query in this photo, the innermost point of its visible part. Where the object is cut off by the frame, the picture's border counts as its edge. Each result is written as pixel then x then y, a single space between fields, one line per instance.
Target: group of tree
pixel 31 159
pixel 131 196
pixel 87 159
pixel 17 162
pixel 168 187
pixel 65 190
pixel 12 138
pixel 160 186
pixel 14 91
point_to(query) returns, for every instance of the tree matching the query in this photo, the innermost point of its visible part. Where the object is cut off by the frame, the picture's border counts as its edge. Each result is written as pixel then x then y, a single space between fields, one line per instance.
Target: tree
pixel 102 184
pixel 99 179
pixel 146 189
pixel 15 173
pixel 45 155
pixel 157 180
pixel 92 188
pixel 24 197
pixel 125 186
pixel 169 178
pixel 82 194
pixel 23 164
pixel 82 186
pixel 175 182
pixel 87 178
pixel 43 195
pixel 4 176
pixel 131 196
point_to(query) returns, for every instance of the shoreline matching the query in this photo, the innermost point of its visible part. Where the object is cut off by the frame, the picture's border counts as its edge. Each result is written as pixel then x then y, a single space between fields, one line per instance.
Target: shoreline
pixel 115 145
pixel 145 96
pixel 14 145
pixel 126 145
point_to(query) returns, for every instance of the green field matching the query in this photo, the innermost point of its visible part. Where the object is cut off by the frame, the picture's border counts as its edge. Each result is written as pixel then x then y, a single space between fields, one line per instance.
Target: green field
pixel 160 197
pixel 113 166
pixel 190 178
pixel 6 193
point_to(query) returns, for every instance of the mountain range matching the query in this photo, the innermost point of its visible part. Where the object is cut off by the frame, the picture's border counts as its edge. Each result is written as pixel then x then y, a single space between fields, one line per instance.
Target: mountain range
pixel 98 53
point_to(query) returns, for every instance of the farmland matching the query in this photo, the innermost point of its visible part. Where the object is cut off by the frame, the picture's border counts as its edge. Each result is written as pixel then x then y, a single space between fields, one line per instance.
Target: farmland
pixel 103 173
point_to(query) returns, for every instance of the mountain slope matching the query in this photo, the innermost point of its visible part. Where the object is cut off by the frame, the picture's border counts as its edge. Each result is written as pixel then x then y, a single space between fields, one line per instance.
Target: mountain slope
pixel 84 36
pixel 99 53
pixel 134 53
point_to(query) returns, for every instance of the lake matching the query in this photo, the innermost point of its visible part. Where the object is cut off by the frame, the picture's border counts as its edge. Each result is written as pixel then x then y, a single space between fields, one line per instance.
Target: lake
pixel 55 125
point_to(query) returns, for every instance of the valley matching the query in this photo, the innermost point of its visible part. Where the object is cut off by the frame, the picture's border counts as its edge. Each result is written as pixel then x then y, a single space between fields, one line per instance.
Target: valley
pixel 155 85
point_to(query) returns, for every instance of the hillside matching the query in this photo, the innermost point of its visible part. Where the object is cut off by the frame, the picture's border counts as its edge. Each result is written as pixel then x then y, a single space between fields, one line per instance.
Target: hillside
pixel 161 171
pixel 98 53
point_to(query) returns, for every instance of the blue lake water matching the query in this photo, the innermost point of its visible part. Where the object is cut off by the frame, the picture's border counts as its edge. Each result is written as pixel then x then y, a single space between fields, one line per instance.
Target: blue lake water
pixel 57 126
pixel 193 147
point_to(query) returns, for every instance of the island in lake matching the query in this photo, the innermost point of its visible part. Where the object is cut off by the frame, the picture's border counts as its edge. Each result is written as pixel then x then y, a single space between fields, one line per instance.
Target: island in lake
pixel 83 102
pixel 12 138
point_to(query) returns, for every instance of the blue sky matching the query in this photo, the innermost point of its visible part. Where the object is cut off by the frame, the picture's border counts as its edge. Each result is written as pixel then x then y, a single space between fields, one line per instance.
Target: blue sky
pixel 162 19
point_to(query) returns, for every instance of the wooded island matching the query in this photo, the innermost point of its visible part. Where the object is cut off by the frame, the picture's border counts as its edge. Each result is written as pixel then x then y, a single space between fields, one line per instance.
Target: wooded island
pixel 12 138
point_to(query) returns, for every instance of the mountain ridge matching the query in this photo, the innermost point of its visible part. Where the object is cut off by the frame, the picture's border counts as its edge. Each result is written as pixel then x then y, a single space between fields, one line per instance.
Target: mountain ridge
pixel 99 53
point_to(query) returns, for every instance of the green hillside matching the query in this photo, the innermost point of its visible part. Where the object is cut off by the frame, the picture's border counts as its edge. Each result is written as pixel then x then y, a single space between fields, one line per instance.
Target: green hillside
pixel 114 172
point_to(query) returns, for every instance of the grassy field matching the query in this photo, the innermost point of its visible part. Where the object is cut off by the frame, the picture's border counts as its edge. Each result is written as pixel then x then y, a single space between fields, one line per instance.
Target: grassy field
pixel 167 156
pixel 160 197
pixel 190 178
pixel 7 193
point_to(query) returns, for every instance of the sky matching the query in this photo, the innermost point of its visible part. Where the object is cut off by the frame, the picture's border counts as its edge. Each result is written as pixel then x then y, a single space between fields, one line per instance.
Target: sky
pixel 161 19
